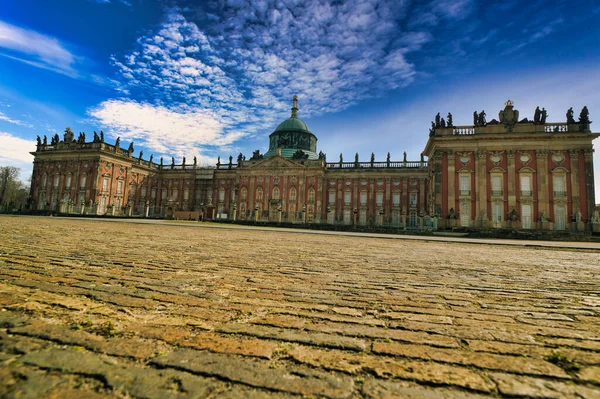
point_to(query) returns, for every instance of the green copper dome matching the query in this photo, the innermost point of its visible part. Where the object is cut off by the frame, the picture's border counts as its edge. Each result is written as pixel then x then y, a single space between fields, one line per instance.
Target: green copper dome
pixel 292 135
pixel 294 123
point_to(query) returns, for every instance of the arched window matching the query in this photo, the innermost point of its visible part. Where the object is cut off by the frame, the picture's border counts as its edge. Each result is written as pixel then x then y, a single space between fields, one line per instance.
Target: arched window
pixel 311 196
pixel 244 194
pixel 221 195
pixel 292 194
pixel 259 194
pixel 276 193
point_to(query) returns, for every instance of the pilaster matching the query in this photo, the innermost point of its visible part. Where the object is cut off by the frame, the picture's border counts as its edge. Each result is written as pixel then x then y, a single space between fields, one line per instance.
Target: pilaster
pixel 542 175
pixel 451 179
pixel 480 186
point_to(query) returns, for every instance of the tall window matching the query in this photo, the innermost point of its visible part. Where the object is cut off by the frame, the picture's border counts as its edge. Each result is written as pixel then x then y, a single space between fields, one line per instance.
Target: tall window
pixel 363 198
pixel 68 182
pixel 526 185
pixel 465 214
pixel 496 185
pixel 379 198
pixel 120 187
pixel 244 194
pixel 143 192
pixel 259 194
pixel 175 194
pixel 44 182
pixel 186 194
pixel 413 200
pixel 105 184
pixel 311 196
pixel 163 194
pixel 82 182
pixel 561 217
pixel 153 193
pixel 55 182
pixel 332 197
pixel 465 184
pixel 560 186
pixel 526 216
pixel 292 194
pixel 347 197
pixel 222 195
pixel 276 193
pixel 396 199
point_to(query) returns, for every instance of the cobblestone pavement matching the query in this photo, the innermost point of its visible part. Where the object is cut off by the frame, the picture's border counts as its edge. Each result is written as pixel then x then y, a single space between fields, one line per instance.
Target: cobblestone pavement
pixel 94 309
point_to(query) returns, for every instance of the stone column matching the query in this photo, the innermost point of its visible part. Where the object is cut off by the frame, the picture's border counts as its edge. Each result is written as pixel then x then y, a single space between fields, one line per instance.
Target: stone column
pixel 575 198
pixel 422 203
pixel 511 176
pixel 542 174
pixel 480 189
pixel 451 177
pixel 589 185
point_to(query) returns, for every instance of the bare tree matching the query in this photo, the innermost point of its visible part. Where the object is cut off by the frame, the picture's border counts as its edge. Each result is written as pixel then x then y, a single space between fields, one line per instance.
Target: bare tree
pixel 13 192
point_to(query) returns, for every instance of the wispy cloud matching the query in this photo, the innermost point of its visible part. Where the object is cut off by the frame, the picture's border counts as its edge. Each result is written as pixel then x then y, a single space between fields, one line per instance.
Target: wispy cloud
pixel 14 151
pixel 36 49
pixel 5 118
pixel 161 129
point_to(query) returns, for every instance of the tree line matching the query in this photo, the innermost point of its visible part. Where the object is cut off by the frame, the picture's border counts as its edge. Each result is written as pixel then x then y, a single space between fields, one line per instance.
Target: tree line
pixel 13 192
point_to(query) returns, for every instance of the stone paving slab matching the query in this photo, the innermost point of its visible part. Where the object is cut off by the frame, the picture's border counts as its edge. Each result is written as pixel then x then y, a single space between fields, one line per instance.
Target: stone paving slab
pixel 103 309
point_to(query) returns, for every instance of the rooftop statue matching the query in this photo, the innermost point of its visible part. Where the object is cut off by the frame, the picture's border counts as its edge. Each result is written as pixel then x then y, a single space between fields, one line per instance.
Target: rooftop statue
pixel 475 118
pixel 239 158
pixel 322 156
pixel 141 155
pixel 442 123
pixel 101 136
pixel 437 120
pixel 509 116
pixel 481 118
pixel 39 141
pixel 570 118
pixel 130 149
pixel 404 156
pixel 195 161
pixel 118 142
pixel 45 140
pixel 183 163
pixel 449 123
pixel 543 116
pixel 537 115
pixel 584 116
pixel 151 156
pixel 172 162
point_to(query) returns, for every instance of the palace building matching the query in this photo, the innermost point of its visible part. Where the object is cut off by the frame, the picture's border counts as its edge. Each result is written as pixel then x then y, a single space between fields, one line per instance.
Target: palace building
pixel 505 173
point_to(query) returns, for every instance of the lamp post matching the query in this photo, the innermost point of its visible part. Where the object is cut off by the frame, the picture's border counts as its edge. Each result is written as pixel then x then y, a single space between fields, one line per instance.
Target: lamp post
pixel 355 213
pixel 256 213
pixel 381 216
pixel 304 214
pixel 329 213
pixel 234 211
pixel 279 210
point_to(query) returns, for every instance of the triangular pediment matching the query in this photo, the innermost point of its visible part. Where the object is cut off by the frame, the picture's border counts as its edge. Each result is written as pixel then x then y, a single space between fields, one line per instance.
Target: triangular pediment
pixel 276 162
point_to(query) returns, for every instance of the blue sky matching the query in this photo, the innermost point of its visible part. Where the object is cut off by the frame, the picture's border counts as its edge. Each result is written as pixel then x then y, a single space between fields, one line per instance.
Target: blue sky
pixel 216 77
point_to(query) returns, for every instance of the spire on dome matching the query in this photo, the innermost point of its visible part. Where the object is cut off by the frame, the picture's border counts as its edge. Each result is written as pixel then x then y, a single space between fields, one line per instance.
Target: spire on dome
pixel 295 106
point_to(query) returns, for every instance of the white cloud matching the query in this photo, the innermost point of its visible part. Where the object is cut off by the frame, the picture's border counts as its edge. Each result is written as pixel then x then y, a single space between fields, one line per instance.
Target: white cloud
pixel 161 129
pixel 14 121
pixel 14 151
pixel 36 49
